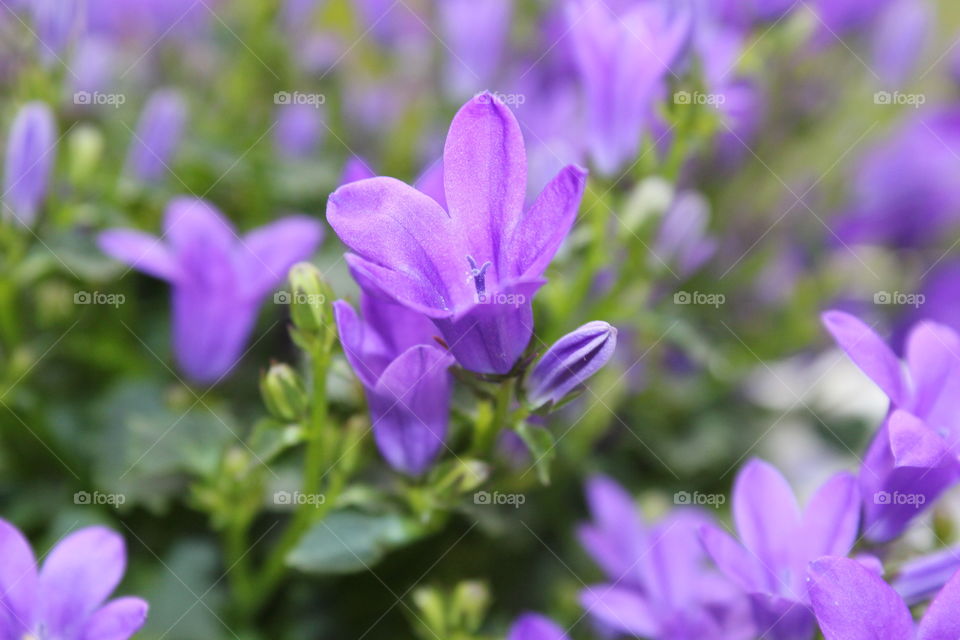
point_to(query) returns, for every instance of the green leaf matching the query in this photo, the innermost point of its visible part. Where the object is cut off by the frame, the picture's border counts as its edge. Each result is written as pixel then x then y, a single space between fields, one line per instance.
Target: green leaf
pixel 350 541
pixel 542 447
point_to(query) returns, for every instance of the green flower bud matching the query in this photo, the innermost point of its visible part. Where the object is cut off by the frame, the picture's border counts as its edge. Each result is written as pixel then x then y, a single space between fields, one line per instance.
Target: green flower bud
pixel 469 605
pixel 309 299
pixel 284 393
pixel 85 145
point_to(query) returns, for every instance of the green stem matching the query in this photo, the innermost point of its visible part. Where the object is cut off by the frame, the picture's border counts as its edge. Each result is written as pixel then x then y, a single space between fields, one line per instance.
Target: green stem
pixel 487 436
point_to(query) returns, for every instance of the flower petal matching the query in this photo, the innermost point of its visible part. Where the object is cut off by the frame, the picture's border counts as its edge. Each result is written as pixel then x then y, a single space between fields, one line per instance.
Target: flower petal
pixel 779 618
pixel 570 362
pixel 624 610
pixel 18 582
pixel 532 626
pixel 485 175
pixel 29 161
pixel 193 222
pixel 117 620
pixel 766 513
pixel 409 407
pixel 831 519
pixel 922 577
pixel 869 352
pixel 430 183
pixel 544 226
pixel 268 253
pixel 942 619
pixel 210 330
pixel 77 576
pixel 615 539
pixel 142 251
pixel 853 603
pixel 733 560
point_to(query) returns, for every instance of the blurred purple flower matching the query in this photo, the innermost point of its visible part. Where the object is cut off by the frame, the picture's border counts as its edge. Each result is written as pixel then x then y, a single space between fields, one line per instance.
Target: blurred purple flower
pixel 914 171
pixel 778 541
pixel 898 40
pixel 570 362
pixel 474 34
pixel 354 169
pixel 405 376
pixel 622 61
pixel 836 18
pixel 66 597
pixel 31 149
pixel 299 130
pixel 921 578
pixel 532 626
pixel 56 24
pixel 683 241
pixel 157 136
pixel 913 457
pixel 853 603
pixel 660 586
pixel 419 254
pixel 156 19
pixel 218 278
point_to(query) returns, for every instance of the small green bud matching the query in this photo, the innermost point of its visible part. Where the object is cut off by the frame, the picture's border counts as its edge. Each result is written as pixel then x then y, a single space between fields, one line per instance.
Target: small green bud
pixel 284 393
pixel 309 299
pixel 85 147
pixel 471 599
pixel 430 602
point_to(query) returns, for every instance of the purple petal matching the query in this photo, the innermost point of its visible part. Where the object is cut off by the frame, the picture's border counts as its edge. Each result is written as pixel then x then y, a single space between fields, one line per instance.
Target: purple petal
pixel 623 610
pixel 831 519
pixel 942 619
pixel 531 626
pixel 31 149
pixel 738 564
pixel 268 253
pixel 117 620
pixel 157 136
pixel 869 352
pixel 18 582
pixel 853 603
pixel 616 537
pixel 474 34
pixel 142 251
pixel 195 224
pixel 356 168
pixel 766 513
pixel 484 176
pixel 430 183
pixel 210 330
pixel 409 407
pixel 542 228
pixel 898 41
pixel 673 565
pixel 932 358
pixel 778 618
pixel 405 243
pixel 570 361
pixel 77 577
pixel 922 577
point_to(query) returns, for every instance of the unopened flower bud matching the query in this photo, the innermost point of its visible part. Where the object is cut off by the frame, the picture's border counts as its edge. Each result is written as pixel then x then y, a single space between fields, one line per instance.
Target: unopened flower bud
pixel 284 393
pixel 309 304
pixel 30 153
pixel 569 362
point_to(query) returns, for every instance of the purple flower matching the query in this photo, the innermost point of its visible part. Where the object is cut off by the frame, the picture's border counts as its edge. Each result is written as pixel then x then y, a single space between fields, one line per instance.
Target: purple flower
pixel 473 268
pixel 682 240
pixel 157 136
pixel 57 23
pixel 66 597
pixel 913 457
pixel 622 61
pixel 299 130
pixel 659 585
pixel 898 40
pixel 355 168
pixel 853 603
pixel 30 154
pixel 474 34
pixel 570 362
pixel 405 376
pixel 532 626
pixel 920 578
pixel 218 278
pixel 778 541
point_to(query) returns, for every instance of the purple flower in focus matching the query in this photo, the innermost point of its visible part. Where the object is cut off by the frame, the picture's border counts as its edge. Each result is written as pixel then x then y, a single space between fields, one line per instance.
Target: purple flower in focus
pixel 474 34
pixel 660 585
pixel 405 376
pixel 299 130
pixel 474 267
pixel 157 136
pixel 778 541
pixel 569 362
pixel 532 626
pixel 853 603
pixel 66 597
pixel 29 161
pixel 218 278
pixel 913 457
pixel 623 61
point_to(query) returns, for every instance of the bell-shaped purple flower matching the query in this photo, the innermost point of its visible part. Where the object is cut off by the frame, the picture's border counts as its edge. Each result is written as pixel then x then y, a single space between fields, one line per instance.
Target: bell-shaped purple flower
pixel 854 603
pixel 778 541
pixel 622 60
pixel 533 626
pixel 914 456
pixel 31 149
pixel 474 267
pixel 474 35
pixel 570 362
pixel 157 136
pixel 218 278
pixel 659 583
pixel 404 373
pixel 67 596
